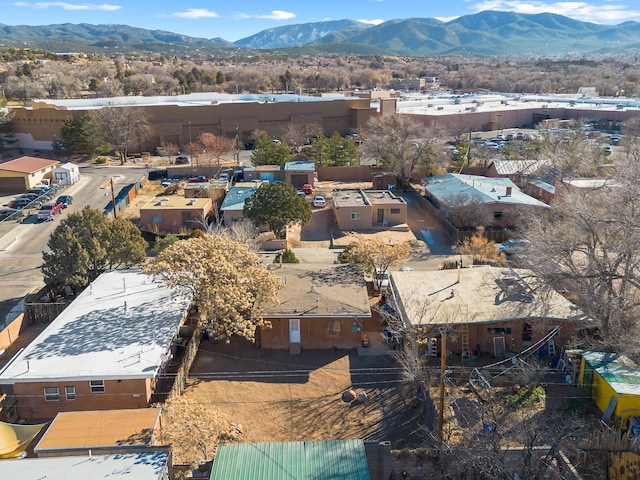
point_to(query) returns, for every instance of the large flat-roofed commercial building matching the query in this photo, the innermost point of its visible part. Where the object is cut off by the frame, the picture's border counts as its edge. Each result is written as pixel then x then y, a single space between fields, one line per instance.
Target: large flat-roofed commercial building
pixel 181 119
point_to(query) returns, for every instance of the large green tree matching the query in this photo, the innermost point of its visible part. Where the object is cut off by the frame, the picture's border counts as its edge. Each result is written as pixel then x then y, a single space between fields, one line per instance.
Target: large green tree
pixel 334 150
pixel 83 135
pixel 277 205
pixel 268 152
pixel 87 243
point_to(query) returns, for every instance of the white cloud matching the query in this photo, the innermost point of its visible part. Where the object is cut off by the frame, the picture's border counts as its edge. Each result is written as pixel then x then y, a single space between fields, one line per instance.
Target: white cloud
pixel 587 12
pixel 375 21
pixel 195 13
pixel 69 6
pixel 274 15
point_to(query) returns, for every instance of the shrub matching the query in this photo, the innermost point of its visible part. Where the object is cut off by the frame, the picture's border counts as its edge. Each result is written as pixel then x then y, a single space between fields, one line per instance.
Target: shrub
pixel 101 160
pixel 287 257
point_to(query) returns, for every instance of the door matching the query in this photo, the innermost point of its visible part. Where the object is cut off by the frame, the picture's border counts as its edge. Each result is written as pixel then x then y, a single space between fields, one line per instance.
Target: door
pixel 527 335
pixel 294 330
pixel 380 215
pixel 499 349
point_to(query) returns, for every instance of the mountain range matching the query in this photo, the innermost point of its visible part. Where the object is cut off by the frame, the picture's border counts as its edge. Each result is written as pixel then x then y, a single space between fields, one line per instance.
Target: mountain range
pixel 486 33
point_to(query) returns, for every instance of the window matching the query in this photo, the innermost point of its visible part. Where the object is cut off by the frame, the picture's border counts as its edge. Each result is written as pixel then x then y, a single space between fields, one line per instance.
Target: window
pixel 355 215
pixel 51 394
pixel 395 211
pixel 156 218
pixel 97 386
pixel 499 331
pixel 70 393
pixel 334 327
pixel 497 215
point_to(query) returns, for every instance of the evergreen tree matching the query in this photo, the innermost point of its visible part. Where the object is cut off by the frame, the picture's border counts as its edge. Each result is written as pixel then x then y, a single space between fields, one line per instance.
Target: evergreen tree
pixel 83 135
pixel 277 205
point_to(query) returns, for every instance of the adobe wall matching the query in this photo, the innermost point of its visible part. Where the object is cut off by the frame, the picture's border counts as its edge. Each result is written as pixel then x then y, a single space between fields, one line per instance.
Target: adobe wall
pixel 11 332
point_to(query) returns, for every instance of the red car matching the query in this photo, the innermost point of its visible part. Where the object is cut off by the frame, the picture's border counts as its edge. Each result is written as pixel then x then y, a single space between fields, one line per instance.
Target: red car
pixel 307 189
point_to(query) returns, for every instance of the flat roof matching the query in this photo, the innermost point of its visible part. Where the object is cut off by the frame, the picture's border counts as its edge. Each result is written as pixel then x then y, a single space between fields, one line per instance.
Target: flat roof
pixel 120 326
pixel 306 460
pixel 320 291
pixel 177 202
pixel 448 188
pixel 619 371
pixel 129 466
pixel 300 165
pixel 199 99
pixel 447 103
pixel 484 294
pixel 27 164
pixel 353 197
pixel 104 428
pixel 521 166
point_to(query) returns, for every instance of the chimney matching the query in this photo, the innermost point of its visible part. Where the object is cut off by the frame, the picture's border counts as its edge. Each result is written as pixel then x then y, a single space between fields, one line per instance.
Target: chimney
pixel 508 193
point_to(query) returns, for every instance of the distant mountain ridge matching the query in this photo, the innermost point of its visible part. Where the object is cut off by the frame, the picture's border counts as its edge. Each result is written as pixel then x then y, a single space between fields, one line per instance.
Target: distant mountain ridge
pixel 488 33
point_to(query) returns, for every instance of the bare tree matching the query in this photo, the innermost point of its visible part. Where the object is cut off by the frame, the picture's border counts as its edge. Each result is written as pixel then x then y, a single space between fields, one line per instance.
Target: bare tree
pixel 124 126
pixel 402 144
pixel 216 146
pixel 468 211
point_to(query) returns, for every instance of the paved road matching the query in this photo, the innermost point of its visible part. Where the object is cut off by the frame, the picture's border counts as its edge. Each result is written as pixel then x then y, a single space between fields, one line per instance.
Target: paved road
pixel 21 248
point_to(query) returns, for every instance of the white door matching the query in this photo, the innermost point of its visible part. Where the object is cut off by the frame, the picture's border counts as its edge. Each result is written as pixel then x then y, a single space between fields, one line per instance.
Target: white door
pixel 294 330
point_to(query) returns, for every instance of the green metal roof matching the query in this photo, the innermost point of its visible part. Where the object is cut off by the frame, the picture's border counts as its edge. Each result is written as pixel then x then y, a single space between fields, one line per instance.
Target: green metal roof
pixel 321 460
pixel 619 371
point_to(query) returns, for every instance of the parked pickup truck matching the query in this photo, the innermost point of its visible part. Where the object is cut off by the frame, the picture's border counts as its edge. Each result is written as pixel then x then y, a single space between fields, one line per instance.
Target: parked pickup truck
pixel 49 210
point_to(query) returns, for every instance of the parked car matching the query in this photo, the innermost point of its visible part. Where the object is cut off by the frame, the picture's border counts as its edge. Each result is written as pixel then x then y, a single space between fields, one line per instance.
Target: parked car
pixel 513 246
pixel 10 213
pixel 381 279
pixel 31 196
pixel 199 179
pixel 307 189
pixel 319 201
pixel 65 200
pixel 182 160
pixel 49 210
pixel 607 149
pixel 19 203
pixel 224 177
pixel 520 136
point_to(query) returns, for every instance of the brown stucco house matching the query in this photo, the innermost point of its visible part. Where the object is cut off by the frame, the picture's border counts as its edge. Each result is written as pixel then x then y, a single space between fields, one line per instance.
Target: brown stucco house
pixel 105 351
pixel 21 174
pixel 175 214
pixel 359 209
pixel 484 309
pixel 319 306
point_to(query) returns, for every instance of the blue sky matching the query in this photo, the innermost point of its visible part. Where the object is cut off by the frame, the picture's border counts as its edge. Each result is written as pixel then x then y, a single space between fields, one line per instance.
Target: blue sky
pixel 235 20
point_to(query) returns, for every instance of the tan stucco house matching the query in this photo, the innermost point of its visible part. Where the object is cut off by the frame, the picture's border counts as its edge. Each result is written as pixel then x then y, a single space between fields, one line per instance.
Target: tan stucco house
pixel 23 173
pixel 358 209
pixel 175 214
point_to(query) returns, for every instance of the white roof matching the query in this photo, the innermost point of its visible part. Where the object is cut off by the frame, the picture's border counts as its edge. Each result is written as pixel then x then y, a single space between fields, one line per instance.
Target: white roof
pixel 448 187
pixel 129 466
pixel 119 327
pixel 191 99
pixel 520 167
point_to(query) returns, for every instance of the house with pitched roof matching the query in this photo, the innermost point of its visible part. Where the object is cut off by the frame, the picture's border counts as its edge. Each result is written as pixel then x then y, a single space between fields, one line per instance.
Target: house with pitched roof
pixel 318 307
pixel 106 350
pixel 21 174
pixel 485 309
pixel 451 193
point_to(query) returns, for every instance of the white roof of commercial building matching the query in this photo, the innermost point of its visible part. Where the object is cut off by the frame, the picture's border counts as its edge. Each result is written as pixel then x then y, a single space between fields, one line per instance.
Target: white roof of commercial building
pixel 449 187
pixel 187 100
pixel 121 326
pixel 447 103
pixel 129 466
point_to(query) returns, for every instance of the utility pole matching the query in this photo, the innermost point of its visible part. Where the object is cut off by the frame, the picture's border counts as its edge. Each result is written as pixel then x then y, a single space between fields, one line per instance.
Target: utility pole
pixel 190 146
pixel 443 369
pixel 113 200
pixel 237 146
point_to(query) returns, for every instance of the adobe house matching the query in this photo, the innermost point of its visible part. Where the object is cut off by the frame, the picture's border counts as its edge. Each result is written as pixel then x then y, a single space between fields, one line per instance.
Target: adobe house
pixel 318 307
pixel 175 214
pixel 358 209
pixel 299 172
pixel 105 351
pixel 21 174
pixel 233 203
pixel 485 309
